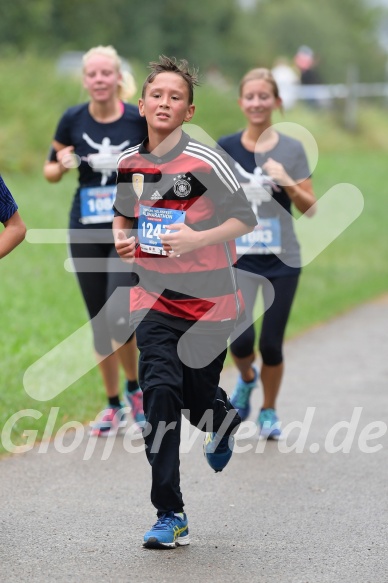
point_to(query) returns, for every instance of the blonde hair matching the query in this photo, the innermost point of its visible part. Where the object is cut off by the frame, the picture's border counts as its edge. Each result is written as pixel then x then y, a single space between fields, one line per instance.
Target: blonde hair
pixel 127 85
pixel 258 74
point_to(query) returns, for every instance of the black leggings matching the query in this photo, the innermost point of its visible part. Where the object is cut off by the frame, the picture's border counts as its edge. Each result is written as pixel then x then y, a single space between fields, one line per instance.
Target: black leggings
pixel 109 319
pixel 278 295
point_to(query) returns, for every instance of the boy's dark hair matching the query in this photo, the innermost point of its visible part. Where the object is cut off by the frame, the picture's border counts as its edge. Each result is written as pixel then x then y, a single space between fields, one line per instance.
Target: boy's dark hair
pixel 171 65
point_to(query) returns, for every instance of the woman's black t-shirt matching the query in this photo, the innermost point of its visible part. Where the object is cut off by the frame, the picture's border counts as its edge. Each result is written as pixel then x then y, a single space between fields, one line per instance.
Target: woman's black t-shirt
pixel 97 147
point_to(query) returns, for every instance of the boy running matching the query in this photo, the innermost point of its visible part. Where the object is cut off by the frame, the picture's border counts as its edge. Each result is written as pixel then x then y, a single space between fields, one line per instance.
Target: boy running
pixel 187 301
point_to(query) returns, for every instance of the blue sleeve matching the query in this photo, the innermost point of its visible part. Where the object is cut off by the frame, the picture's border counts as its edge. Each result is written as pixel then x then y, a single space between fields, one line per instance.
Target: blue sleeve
pixel 63 131
pixel 62 135
pixel 8 206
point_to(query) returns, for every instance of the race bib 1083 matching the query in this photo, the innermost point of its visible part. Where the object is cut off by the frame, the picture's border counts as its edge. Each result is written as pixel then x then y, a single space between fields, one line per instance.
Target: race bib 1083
pixel 265 239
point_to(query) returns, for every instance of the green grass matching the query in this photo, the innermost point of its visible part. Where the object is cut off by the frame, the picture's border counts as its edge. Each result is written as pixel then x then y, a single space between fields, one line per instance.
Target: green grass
pixel 352 269
pixel 40 302
pixel 41 306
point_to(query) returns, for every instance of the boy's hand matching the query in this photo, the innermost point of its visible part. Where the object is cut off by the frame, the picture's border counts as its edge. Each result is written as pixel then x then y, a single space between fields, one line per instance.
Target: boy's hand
pixel 181 239
pixel 125 246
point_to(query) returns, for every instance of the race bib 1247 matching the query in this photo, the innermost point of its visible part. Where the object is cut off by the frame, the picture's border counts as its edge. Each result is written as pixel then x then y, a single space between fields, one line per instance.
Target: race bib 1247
pixel 153 222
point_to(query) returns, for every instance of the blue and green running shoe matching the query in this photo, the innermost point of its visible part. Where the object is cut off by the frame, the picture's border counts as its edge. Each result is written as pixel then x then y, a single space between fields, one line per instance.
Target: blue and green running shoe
pixel 218 450
pixel 269 425
pixel 241 394
pixel 171 530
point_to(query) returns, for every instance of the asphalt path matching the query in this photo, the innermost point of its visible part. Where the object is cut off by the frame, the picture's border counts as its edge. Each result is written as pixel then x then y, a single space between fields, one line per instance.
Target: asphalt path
pixel 310 509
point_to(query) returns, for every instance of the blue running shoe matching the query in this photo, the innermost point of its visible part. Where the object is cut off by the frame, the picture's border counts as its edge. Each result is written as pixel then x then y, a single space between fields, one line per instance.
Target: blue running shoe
pixel 135 402
pixel 269 425
pixel 218 450
pixel 241 394
pixel 170 531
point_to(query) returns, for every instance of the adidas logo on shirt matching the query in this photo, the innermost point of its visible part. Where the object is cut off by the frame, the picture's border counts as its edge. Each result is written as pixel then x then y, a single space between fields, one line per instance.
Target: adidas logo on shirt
pixel 156 195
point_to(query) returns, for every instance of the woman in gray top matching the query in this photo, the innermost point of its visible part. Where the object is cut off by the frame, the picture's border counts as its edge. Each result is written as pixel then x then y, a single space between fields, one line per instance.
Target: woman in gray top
pixel 273 171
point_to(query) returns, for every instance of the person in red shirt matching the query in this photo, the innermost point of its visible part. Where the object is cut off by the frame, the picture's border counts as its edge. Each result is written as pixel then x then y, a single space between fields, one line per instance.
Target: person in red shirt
pixel 178 210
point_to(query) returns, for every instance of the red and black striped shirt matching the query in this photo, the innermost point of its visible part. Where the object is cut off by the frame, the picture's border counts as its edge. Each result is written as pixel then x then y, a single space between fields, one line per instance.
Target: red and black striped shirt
pixel 200 285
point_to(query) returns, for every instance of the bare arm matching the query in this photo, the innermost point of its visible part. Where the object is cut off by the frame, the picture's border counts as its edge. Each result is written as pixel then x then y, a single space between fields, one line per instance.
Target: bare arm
pixel 12 235
pixel 53 171
pixel 184 239
pixel 301 193
pixel 124 242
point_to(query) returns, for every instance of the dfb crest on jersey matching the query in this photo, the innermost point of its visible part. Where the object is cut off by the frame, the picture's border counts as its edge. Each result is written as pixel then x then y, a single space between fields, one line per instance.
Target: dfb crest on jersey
pixel 182 187
pixel 138 184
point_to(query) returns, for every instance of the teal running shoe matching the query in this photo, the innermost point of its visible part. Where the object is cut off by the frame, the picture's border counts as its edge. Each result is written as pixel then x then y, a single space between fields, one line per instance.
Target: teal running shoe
pixel 218 450
pixel 269 425
pixel 170 531
pixel 241 395
pixel 135 402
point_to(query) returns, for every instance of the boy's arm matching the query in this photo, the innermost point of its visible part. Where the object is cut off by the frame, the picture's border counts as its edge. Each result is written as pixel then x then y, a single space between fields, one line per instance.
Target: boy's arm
pixel 229 230
pixel 125 243
pixel 13 234
pixel 184 239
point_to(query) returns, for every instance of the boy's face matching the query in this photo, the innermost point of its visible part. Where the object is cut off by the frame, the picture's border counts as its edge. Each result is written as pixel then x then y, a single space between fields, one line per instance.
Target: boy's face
pixel 166 103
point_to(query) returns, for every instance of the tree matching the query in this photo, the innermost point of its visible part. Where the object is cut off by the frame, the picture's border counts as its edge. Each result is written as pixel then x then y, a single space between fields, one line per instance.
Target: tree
pixel 340 33
pixel 215 33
